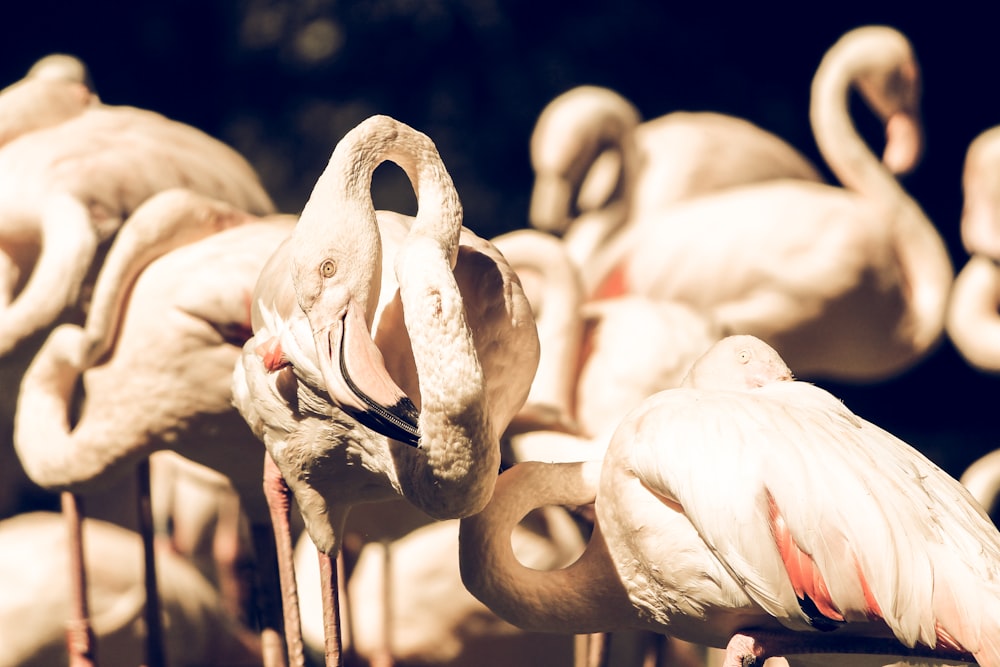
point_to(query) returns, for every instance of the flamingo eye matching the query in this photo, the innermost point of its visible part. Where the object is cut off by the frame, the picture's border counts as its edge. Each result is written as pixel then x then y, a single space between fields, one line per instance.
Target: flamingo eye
pixel 327 268
pixel 744 356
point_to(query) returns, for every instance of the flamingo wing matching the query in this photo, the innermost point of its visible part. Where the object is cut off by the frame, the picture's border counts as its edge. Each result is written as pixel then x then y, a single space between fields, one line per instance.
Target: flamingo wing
pixel 823 517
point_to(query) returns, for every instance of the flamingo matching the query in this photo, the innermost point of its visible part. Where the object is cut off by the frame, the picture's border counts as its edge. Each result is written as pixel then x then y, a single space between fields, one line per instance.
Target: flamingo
pixel 750 511
pixel 598 359
pixel 66 187
pixel 33 599
pixel 56 88
pixel 847 283
pixel 982 479
pixel 598 166
pixel 190 304
pixel 338 410
pixel 972 322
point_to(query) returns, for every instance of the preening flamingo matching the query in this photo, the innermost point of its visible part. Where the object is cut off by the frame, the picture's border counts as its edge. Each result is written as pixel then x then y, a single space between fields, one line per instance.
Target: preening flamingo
pixel 598 167
pixel 847 283
pixel 338 409
pixel 748 506
pixel 191 305
pixel 34 599
pixel 973 323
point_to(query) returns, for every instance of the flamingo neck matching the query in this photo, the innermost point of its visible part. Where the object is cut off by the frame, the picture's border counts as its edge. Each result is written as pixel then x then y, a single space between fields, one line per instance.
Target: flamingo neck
pixel 584 597
pixel 923 259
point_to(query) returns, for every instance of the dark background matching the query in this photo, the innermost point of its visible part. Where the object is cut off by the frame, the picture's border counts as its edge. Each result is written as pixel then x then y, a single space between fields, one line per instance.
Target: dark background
pixel 282 81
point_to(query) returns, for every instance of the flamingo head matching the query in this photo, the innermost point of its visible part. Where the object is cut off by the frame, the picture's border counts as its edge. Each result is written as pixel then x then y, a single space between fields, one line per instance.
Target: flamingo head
pixel 336 272
pixel 738 362
pixel 889 80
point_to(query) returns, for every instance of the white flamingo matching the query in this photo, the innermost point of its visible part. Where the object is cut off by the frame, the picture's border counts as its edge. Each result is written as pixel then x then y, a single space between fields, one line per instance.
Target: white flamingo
pixel 597 166
pixel 55 89
pixel 750 511
pixel 191 305
pixel 849 283
pixel 973 324
pixel 66 187
pixel 332 405
pixel 34 599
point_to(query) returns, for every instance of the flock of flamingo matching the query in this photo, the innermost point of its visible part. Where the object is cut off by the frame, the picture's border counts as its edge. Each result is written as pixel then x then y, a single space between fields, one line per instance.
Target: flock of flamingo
pixel 356 437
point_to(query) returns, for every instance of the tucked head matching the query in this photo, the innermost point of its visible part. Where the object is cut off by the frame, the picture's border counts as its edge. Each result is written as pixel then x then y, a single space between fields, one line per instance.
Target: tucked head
pixel 738 362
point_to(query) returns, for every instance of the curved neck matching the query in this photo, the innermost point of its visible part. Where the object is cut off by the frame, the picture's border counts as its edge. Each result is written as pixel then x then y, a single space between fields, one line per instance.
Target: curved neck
pixel 166 221
pixel 584 597
pixel 842 147
pixel 552 285
pixel 923 258
pixel 973 324
pixel 55 456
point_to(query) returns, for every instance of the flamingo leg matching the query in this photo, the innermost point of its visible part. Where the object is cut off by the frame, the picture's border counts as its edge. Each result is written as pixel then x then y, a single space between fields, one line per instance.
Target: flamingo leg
pixel 80 642
pixel 278 497
pixel 155 649
pixel 331 610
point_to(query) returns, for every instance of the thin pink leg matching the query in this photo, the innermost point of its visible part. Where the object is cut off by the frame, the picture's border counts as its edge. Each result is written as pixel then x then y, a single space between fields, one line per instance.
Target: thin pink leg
pixel 331 610
pixel 155 649
pixel 79 634
pixel 279 502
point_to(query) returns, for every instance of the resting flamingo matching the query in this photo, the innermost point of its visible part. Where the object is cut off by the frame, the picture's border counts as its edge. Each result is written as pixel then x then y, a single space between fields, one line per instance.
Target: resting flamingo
pixel 337 410
pixel 34 600
pixel 847 283
pixel 191 305
pixel 751 511
pixel 973 324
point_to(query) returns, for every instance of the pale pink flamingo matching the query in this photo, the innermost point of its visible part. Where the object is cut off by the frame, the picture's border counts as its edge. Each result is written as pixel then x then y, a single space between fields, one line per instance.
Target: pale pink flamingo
pixel 338 409
pixel 982 479
pixel 66 187
pixel 190 305
pixel 750 511
pixel 55 89
pixel 598 166
pixel 598 359
pixel 848 283
pixel 34 599
pixel 973 323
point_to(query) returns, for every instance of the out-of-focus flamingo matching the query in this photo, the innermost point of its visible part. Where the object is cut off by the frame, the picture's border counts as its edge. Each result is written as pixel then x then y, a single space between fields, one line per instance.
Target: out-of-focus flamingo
pixel 973 323
pixel 55 89
pixel 34 599
pixel 190 305
pixel 848 283
pixel 338 409
pixel 598 359
pixel 982 479
pixel 751 511
pixel 598 167
pixel 66 187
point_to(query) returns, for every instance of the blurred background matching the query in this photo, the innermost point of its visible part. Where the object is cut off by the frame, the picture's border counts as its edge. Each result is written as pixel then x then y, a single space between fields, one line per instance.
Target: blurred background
pixel 282 81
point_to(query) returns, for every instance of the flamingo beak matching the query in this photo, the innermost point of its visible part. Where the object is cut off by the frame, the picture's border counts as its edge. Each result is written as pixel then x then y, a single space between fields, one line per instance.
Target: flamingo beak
pixel 360 383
